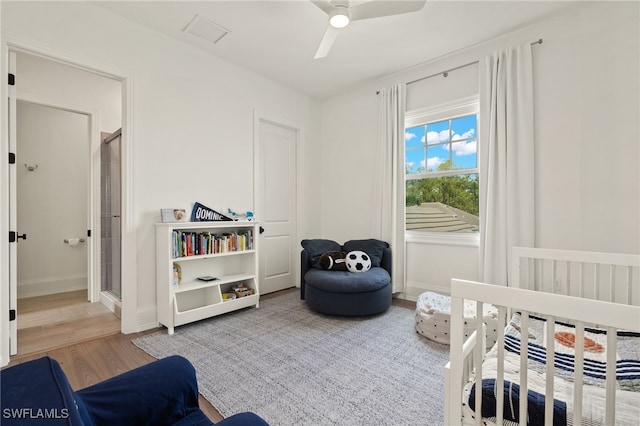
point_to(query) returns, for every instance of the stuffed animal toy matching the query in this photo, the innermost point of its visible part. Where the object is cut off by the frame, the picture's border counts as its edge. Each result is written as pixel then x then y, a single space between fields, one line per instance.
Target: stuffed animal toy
pixel 358 261
pixel 333 260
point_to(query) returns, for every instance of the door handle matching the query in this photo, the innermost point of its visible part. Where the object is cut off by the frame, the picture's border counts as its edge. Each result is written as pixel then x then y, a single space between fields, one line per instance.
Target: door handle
pixel 13 236
pixel 261 229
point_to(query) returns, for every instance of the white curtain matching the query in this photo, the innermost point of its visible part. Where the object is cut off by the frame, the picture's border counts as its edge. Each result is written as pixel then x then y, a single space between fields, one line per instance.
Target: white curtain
pixel 389 198
pixel 506 160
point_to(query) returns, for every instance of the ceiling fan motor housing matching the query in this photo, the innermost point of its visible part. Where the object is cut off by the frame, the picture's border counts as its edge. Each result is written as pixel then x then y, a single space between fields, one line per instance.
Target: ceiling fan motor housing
pixel 339 17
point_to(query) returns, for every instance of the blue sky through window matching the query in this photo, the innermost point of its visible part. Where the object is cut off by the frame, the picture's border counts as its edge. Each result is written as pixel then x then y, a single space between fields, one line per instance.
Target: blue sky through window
pixel 454 139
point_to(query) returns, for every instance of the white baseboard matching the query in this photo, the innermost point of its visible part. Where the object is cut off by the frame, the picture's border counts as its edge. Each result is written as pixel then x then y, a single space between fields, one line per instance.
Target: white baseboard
pixel 43 287
pixel 111 302
pixel 147 318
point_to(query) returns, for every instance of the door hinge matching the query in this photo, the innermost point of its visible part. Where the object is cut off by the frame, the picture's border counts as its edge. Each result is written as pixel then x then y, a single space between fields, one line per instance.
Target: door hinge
pixel 12 158
pixel 89 233
pixel 12 314
pixel 12 236
pixel 12 79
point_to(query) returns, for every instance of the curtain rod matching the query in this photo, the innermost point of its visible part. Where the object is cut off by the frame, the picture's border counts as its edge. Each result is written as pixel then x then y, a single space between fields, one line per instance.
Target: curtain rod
pixel 446 72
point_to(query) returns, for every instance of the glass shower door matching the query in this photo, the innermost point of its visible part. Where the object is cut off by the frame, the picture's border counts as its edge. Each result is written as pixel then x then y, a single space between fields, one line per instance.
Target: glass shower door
pixel 110 189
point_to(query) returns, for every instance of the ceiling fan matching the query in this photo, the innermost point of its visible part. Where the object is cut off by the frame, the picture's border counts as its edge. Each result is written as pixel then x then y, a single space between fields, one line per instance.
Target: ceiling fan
pixel 341 14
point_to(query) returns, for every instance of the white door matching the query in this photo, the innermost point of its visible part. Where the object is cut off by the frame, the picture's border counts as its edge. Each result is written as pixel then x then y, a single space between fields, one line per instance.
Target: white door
pixel 53 145
pixel 276 205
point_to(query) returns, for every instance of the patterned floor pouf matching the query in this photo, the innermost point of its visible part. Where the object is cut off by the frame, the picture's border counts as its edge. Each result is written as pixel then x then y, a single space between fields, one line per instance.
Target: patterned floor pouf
pixel 433 318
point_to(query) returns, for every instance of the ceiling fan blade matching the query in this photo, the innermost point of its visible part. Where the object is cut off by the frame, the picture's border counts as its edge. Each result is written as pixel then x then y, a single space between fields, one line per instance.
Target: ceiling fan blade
pixel 325 5
pixel 379 8
pixel 326 43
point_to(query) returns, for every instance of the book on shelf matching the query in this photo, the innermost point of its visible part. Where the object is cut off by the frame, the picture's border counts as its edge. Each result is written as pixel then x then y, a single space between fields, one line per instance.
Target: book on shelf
pixel 189 243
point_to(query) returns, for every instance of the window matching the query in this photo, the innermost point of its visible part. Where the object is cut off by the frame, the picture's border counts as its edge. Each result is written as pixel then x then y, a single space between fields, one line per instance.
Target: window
pixel 441 169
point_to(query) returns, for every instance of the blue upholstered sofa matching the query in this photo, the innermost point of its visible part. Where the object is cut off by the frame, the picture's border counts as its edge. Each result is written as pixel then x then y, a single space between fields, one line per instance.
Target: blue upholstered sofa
pixel 163 392
pixel 346 293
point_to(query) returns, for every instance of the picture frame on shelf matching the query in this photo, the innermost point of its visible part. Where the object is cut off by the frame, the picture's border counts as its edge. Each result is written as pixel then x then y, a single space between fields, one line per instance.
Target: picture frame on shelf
pixel 173 215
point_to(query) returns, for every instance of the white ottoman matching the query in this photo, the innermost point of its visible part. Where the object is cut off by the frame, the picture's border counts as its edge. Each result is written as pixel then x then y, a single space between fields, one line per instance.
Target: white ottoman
pixel 433 318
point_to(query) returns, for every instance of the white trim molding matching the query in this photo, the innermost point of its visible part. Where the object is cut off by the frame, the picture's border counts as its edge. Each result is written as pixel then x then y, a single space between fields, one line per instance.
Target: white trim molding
pixel 129 323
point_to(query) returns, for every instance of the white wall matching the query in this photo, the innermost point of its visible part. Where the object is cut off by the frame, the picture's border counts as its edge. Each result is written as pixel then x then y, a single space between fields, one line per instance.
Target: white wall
pixel 193 117
pixel 587 131
pixel 53 81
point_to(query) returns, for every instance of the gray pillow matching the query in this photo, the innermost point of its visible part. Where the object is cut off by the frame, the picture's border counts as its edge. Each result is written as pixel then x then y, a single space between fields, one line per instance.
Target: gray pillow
pixel 374 248
pixel 317 247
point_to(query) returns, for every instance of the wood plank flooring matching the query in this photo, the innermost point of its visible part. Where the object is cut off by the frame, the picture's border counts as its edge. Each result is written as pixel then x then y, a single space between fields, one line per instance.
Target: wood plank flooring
pixel 89 362
pixel 93 361
pixel 46 322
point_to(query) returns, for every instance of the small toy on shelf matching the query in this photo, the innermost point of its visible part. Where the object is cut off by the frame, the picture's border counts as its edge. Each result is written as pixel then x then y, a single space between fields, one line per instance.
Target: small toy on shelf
pixel 228 296
pixel 241 290
pixel 177 273
pixel 247 216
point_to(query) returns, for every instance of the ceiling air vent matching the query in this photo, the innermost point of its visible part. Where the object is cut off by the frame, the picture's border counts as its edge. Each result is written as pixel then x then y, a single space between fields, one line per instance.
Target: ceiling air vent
pixel 206 29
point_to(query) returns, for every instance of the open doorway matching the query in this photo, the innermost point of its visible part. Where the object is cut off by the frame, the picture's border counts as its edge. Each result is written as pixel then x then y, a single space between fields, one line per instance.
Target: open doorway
pixel 59 200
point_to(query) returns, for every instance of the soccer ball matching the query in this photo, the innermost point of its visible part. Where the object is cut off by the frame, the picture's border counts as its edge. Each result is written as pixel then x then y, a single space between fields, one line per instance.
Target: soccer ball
pixel 358 261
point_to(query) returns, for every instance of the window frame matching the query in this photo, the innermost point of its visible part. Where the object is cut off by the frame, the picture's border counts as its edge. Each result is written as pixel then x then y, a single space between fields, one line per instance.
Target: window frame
pixel 422 116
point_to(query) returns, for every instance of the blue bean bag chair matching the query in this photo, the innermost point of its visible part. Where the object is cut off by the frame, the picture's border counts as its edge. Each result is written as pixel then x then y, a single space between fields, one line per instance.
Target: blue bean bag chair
pixel 345 293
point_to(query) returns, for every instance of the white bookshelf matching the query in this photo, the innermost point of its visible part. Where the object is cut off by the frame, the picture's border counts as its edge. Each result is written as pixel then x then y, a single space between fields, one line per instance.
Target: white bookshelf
pixel 192 299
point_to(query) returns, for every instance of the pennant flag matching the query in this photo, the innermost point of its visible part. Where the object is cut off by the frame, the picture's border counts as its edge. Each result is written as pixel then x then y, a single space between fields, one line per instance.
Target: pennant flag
pixel 201 213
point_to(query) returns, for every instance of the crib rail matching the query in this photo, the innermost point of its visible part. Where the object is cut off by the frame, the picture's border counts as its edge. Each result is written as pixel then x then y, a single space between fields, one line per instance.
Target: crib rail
pixel 581 311
pixel 466 368
pixel 611 277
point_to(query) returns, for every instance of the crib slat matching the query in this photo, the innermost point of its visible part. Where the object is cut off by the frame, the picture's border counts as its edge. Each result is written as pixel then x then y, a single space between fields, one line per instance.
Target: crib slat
pixel 502 315
pixel 524 358
pixel 567 277
pixel 549 396
pixel 596 281
pixel 612 282
pixel 577 373
pixel 478 355
pixel 610 409
pixel 629 301
pixel 581 279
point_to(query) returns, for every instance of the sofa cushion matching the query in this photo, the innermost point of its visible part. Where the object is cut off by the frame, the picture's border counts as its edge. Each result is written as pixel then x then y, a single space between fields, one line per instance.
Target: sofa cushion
pixel 317 247
pixel 159 393
pixel 347 282
pixel 374 248
pixel 37 392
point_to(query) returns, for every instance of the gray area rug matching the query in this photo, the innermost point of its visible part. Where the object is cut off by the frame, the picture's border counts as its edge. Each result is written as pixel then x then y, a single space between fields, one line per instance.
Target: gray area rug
pixel 296 367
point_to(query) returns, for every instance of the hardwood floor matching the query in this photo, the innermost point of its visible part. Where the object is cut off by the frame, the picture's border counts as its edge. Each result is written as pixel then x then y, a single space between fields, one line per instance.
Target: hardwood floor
pixel 89 362
pixel 93 361
pixel 46 322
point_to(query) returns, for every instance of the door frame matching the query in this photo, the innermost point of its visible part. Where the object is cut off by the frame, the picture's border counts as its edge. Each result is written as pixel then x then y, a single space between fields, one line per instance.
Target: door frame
pixel 259 117
pixel 129 240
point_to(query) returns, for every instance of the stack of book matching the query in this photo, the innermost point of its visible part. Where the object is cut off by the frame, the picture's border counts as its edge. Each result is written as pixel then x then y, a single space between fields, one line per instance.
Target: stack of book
pixel 187 243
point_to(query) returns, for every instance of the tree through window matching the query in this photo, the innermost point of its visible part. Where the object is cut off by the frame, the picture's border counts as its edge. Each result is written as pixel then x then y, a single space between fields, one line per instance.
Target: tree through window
pixel 441 170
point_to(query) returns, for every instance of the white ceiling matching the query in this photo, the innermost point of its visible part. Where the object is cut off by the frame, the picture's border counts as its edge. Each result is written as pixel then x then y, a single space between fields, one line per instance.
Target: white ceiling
pixel 278 39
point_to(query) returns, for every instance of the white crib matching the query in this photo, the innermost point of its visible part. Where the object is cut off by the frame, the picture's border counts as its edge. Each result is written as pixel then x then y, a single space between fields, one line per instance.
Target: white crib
pixel 557 297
